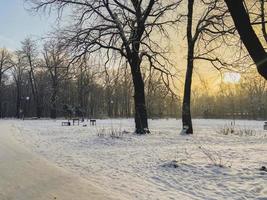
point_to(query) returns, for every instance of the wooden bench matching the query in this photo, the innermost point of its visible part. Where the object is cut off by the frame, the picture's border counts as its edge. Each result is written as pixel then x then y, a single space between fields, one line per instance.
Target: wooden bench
pixel 75 120
pixel 93 122
pixel 65 123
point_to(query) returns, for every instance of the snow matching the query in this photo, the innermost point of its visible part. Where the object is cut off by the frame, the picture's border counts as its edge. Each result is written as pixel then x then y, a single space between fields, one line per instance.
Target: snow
pixel 162 165
pixel 26 176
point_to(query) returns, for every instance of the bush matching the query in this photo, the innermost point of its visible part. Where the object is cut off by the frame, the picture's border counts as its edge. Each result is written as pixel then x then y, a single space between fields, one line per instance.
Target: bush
pixel 226 130
pixel 233 130
pixel 113 133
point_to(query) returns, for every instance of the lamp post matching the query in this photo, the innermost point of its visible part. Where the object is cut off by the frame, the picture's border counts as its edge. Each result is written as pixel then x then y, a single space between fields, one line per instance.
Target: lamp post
pixel 25 103
pixel 111 102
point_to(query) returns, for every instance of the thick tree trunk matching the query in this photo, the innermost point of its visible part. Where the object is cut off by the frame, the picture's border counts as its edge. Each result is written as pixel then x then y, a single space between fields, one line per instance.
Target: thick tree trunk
pixel 186 107
pixel 248 35
pixel 141 123
pixel 186 110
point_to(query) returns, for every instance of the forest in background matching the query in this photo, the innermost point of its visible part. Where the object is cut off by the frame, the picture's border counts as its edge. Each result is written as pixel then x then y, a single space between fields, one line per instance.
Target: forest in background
pixel 119 65
pixel 99 92
pixel 46 85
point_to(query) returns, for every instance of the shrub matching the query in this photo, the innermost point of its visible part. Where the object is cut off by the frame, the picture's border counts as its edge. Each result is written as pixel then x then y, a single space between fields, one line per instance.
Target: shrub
pixel 233 130
pixel 113 133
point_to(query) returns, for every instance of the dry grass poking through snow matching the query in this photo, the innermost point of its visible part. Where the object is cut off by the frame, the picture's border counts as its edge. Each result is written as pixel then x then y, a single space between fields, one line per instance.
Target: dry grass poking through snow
pixel 235 130
pixel 114 133
pixel 139 166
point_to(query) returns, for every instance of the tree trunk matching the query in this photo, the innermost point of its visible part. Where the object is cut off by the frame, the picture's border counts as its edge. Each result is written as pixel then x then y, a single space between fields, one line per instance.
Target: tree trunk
pixel 141 123
pixel 81 89
pixel 248 35
pixel 38 109
pixel 109 102
pixel 53 109
pixel 186 110
pixel 18 101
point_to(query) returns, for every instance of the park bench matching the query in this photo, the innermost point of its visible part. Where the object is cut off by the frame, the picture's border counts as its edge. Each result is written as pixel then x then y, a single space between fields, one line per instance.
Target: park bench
pixel 65 123
pixel 93 122
pixel 265 126
pixel 75 120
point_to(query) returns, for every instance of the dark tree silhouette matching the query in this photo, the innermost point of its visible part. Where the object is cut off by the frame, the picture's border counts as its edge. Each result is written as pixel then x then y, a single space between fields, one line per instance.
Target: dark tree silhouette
pixel 205 32
pixel 5 65
pixel 30 53
pixel 57 64
pixel 247 34
pixel 120 27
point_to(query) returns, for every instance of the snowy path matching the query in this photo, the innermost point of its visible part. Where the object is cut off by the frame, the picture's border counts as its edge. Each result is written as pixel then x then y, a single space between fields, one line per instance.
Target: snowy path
pixel 24 176
pixel 135 166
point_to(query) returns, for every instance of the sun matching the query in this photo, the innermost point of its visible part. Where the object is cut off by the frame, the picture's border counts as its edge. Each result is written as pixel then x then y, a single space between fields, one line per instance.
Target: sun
pixel 231 77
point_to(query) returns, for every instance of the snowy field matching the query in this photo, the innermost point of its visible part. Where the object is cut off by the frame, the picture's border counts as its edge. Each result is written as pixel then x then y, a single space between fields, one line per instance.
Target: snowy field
pixel 162 165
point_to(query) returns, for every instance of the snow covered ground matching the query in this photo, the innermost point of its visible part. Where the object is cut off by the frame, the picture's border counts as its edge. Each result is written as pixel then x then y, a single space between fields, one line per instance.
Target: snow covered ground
pixel 162 165
pixel 27 176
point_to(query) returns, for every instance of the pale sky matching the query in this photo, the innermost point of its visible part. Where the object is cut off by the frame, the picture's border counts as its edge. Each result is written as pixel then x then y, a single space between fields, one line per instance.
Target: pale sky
pixel 17 23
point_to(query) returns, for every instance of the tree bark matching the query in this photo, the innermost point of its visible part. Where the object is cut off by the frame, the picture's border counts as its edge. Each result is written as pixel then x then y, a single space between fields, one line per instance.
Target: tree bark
pixel 141 123
pixel 248 35
pixel 186 109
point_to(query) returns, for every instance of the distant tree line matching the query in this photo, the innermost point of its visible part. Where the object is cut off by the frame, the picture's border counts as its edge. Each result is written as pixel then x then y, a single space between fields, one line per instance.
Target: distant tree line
pixel 246 99
pixel 63 77
pixel 44 84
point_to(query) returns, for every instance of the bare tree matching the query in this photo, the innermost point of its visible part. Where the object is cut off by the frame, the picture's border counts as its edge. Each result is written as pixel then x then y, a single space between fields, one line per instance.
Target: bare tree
pixel 18 71
pixel 247 34
pixel 30 54
pixel 57 65
pixel 255 88
pixel 127 28
pixel 5 65
pixel 86 73
pixel 204 34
